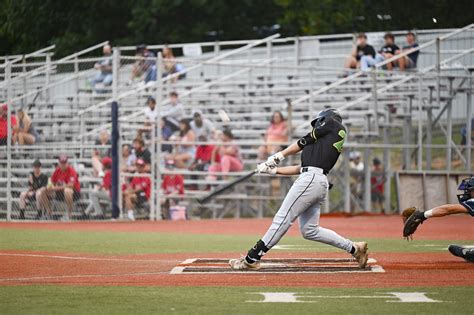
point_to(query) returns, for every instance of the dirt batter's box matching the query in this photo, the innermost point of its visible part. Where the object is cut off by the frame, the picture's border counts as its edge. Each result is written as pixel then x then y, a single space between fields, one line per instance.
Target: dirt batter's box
pixel 277 265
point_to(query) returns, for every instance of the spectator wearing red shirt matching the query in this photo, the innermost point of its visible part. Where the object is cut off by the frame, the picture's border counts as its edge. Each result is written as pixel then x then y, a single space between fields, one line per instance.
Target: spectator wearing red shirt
pixel 138 191
pixel 377 181
pixel 64 186
pixel 203 155
pixel 4 124
pixel 173 184
pixel 103 193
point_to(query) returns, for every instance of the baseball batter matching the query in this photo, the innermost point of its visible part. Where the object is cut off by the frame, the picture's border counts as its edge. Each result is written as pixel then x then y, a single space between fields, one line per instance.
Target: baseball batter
pixel 320 150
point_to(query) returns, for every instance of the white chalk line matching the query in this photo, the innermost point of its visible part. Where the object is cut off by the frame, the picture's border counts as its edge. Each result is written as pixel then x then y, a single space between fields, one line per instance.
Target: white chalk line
pixel 83 276
pixel 85 258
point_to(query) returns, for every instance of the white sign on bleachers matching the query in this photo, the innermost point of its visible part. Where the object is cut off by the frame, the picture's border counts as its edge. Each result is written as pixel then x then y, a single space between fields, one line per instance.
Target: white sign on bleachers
pixel 192 50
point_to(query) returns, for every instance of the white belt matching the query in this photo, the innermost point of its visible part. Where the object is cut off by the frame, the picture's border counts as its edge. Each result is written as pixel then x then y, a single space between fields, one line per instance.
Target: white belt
pixel 312 169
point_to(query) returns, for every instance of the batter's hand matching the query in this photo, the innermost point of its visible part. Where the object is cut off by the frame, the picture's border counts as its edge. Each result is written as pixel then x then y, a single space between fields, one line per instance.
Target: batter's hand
pixel 275 159
pixel 263 168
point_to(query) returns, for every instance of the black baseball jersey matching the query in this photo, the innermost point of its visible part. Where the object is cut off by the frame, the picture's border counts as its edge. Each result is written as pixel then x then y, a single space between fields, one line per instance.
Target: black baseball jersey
pixel 36 183
pixel 322 146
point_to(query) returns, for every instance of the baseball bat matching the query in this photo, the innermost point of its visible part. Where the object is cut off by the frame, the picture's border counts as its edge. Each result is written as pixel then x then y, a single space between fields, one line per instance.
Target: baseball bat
pixel 227 186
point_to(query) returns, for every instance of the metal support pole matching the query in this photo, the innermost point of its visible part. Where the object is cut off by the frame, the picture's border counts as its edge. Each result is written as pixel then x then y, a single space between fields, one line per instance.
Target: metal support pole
pixel 449 149
pixel 367 183
pixel 158 180
pixel 375 97
pixel 407 133
pixel 48 77
pixel 217 49
pixel 76 74
pixel 347 183
pixel 469 127
pixel 9 139
pixel 387 168
pixel 438 71
pixel 420 126
pixel 269 57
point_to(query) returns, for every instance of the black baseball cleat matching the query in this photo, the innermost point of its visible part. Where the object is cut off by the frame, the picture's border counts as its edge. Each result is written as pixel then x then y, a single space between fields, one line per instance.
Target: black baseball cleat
pixel 463 252
pixel 413 222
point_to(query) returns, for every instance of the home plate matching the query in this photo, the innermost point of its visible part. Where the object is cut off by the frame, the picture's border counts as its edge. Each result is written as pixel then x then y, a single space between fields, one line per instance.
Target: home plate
pixel 277 265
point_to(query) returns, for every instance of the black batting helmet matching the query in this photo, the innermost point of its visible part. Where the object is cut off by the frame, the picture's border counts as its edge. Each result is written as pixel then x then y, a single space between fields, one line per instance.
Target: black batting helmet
pixel 326 114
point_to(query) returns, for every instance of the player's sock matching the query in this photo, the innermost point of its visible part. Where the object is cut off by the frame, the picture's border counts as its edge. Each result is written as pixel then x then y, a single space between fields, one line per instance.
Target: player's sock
pixel 427 214
pixel 256 252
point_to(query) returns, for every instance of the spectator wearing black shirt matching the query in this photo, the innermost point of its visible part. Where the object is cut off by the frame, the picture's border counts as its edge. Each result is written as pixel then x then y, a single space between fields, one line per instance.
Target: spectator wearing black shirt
pixel 37 181
pixel 386 52
pixel 361 49
pixel 141 152
pixel 409 61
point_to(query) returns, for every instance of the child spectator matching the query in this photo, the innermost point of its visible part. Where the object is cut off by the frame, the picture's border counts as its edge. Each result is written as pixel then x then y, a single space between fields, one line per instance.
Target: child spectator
pixel 65 186
pixel 138 191
pixel 361 49
pixel 128 159
pixel 166 134
pixel 184 152
pixel 104 67
pixel 103 148
pixel 173 184
pixel 230 160
pixel 410 60
pixel 4 124
pixel 103 193
pixel 37 182
pixel 276 132
pixel 25 133
pixel 203 155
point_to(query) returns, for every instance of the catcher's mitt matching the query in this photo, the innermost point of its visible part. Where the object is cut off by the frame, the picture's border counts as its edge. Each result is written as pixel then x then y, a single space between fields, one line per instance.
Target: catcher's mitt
pixel 412 218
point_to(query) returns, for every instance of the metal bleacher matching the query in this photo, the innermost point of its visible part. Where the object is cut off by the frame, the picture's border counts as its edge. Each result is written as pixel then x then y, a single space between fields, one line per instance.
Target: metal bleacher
pixel 388 113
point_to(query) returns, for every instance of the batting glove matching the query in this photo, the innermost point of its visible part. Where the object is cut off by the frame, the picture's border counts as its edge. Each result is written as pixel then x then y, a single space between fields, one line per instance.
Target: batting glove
pixel 275 159
pixel 263 168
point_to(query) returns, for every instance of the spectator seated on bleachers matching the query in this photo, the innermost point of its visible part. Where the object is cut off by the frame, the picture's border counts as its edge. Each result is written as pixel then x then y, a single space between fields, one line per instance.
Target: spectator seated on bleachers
pixel 229 153
pixel 465 135
pixel 103 149
pixel 64 186
pixel 410 60
pixel 203 156
pixel 276 132
pixel 4 124
pixel 377 183
pixel 128 159
pixel 103 192
pixel 184 153
pixel 170 65
pixel 166 133
pixel 174 113
pixel 146 65
pixel 37 182
pixel 141 152
pixel 202 126
pixel 173 184
pixel 356 169
pixel 137 193
pixel 104 67
pixel 25 132
pixel 360 49
pixel 386 52
pixel 151 113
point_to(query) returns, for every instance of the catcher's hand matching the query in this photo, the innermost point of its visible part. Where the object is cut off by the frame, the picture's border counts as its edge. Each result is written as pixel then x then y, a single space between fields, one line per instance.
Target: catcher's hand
pixel 412 218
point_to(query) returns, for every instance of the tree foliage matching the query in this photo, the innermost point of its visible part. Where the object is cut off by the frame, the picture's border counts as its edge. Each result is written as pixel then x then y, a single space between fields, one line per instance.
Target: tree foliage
pixel 27 25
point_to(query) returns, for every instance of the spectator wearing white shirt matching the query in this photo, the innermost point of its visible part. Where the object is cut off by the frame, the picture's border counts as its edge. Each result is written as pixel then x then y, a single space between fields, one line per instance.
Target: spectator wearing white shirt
pixel 151 113
pixel 174 113
pixel 202 126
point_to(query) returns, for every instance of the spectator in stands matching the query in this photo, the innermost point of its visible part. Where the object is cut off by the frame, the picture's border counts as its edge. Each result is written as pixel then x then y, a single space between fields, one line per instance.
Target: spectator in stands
pixel 174 113
pixel 103 148
pixel 37 182
pixel 104 67
pixel 25 133
pixel 128 159
pixel 64 186
pixel 356 169
pixel 173 184
pixel 202 126
pixel 229 153
pixel 141 152
pixel 138 191
pixel 276 132
pixel 361 49
pixel 170 65
pixel 103 193
pixel 166 133
pixel 144 65
pixel 151 113
pixel 465 135
pixel 184 153
pixel 203 156
pixel 410 60
pixel 377 181
pixel 4 124
pixel 386 52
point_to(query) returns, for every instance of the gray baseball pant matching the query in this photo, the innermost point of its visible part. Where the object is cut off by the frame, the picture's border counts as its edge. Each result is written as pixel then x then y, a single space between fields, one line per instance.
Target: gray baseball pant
pixel 304 200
